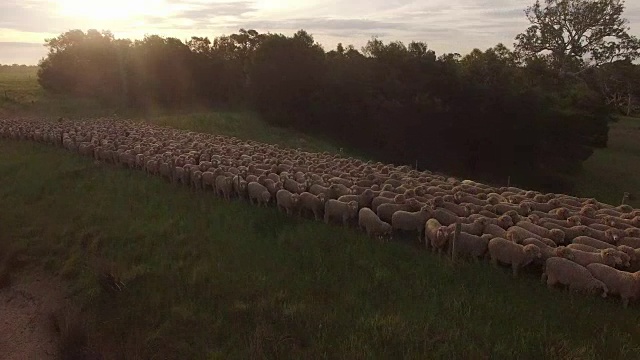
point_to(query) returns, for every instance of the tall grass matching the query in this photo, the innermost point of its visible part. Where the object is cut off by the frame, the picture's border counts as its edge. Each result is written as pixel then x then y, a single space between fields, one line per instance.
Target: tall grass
pixel 208 279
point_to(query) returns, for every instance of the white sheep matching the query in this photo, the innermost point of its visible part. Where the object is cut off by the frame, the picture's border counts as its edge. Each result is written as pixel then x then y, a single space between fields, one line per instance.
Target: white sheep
pixel 563 271
pixel 633 242
pixel 508 252
pixel 259 193
pixel 436 235
pixel 287 201
pixel 312 203
pixel 622 283
pixel 583 247
pixel 343 211
pixel 585 240
pixel 495 231
pixel 465 244
pixel 364 199
pixel 554 234
pixel 475 228
pixel 371 223
pixel 609 257
pixel 224 186
pixel 411 221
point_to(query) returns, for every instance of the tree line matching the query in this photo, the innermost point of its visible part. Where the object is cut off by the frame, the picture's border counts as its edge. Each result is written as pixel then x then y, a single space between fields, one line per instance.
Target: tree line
pixel 534 113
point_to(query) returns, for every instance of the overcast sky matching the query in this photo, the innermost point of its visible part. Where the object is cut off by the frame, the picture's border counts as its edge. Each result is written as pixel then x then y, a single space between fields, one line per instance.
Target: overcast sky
pixel 445 25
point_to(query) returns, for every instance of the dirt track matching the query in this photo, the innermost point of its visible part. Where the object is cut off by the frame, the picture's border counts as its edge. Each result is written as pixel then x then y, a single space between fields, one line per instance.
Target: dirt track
pixel 26 329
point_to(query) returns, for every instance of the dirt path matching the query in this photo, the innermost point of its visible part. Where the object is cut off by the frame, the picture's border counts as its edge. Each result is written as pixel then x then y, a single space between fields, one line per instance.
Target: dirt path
pixel 26 329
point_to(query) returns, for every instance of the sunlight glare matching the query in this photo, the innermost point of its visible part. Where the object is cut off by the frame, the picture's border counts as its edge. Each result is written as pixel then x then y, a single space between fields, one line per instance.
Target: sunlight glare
pixel 111 9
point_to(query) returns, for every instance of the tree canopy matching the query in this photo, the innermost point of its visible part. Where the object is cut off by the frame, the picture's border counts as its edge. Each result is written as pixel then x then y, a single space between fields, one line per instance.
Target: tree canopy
pixel 573 34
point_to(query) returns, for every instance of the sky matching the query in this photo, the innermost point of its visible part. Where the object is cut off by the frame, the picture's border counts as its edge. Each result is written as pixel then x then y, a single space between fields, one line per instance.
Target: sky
pixel 445 25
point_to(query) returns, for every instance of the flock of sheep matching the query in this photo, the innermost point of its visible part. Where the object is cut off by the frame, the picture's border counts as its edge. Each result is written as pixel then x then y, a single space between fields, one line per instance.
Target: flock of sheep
pixel 586 245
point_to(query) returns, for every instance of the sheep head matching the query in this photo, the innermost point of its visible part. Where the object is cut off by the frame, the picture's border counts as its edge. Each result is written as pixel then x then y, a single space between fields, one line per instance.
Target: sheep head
pixel 557 235
pixel 565 252
pixel 532 251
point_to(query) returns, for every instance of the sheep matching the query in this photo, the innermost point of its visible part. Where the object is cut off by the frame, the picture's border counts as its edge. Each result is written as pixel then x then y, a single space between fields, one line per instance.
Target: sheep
pixel 569 232
pixel 632 232
pixel 293 186
pixel 561 213
pixel 633 255
pixel 272 186
pixel 317 189
pixel 539 242
pixel 495 231
pixel 224 186
pixel 312 203
pixel 364 199
pixel 554 234
pixel 518 256
pixel 208 180
pixel 622 283
pixel 586 240
pixel 545 206
pixel 633 242
pixel 475 228
pixel 609 235
pixel 459 210
pixel 386 211
pixel 445 216
pixel 583 247
pixel 566 272
pixel 517 234
pixel 371 223
pixel 259 193
pixel 410 221
pixel 522 209
pixel 336 190
pixel 608 257
pixel 548 251
pixel 436 235
pixel 287 201
pixel 466 244
pixel 337 209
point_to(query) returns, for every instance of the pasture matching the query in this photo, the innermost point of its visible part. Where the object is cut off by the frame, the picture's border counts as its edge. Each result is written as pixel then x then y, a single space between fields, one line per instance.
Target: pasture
pixel 210 279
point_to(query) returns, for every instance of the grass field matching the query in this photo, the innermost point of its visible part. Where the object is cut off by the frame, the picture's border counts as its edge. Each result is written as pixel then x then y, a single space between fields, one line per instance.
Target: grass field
pixel 207 279
pixel 610 172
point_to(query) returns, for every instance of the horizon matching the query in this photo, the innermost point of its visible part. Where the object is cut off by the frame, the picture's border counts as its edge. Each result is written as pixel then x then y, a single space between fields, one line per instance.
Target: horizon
pixel 445 26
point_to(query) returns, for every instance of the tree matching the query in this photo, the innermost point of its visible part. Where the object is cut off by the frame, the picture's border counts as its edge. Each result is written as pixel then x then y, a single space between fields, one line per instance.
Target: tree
pixel 572 35
pixel 619 82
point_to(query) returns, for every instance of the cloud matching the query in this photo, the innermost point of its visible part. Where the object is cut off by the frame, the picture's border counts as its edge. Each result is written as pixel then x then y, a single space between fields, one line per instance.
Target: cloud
pixel 445 25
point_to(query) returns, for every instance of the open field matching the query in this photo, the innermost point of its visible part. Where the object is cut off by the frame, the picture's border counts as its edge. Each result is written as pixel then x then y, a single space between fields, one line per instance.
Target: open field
pixel 205 279
pixel 209 279
pixel 612 171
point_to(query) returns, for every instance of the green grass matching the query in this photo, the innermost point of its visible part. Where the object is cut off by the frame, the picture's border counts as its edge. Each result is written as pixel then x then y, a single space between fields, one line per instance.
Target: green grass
pixel 20 94
pixel 610 172
pixel 207 279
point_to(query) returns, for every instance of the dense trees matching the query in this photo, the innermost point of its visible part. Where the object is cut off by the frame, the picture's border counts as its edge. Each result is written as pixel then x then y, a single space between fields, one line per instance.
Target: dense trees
pixel 488 114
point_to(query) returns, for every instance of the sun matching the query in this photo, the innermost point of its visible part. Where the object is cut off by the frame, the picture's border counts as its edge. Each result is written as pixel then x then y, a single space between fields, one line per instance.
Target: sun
pixel 110 9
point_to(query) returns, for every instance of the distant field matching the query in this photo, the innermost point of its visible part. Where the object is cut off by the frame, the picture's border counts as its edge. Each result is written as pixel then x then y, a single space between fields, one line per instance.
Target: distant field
pixel 612 171
pixel 207 279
